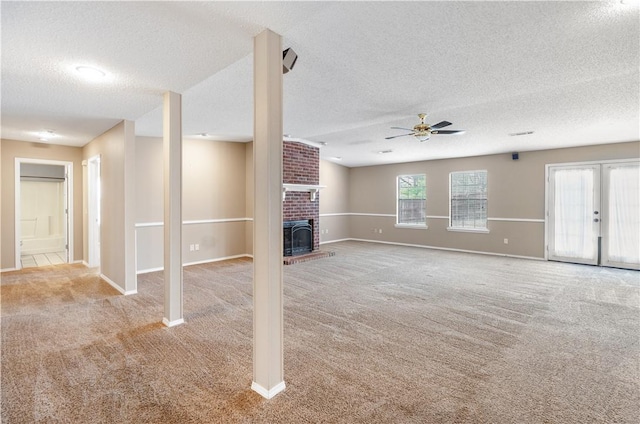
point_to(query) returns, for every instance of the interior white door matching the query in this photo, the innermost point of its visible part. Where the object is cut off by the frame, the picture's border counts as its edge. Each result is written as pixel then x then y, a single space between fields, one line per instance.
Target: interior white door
pixel 621 217
pixel 574 213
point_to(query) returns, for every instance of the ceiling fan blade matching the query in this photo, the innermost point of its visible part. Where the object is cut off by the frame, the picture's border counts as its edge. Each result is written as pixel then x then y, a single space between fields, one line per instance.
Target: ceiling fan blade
pixel 396 136
pixel 401 128
pixel 441 125
pixel 447 132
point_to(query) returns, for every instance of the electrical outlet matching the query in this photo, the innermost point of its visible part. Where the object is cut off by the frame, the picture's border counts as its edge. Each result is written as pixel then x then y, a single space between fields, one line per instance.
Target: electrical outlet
pixel 379 230
pixel 197 247
pixel 191 248
pixel 326 231
pixel 506 241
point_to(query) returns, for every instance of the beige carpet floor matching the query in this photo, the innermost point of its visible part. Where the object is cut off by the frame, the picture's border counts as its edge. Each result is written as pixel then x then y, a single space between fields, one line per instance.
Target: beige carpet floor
pixel 375 334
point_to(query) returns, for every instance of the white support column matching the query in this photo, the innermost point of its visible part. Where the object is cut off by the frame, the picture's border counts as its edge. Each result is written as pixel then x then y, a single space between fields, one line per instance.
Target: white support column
pixel 172 149
pixel 130 276
pixel 268 373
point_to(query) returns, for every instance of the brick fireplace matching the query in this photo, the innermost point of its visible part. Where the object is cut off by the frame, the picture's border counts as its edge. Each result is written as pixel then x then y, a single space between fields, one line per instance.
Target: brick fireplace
pixel 301 166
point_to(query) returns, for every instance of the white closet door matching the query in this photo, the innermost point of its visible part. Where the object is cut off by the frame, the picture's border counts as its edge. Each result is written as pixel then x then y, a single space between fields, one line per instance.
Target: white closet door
pixel 574 213
pixel 621 217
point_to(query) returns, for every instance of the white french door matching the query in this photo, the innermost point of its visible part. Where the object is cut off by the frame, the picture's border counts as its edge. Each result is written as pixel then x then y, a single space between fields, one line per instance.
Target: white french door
pixel 594 214
pixel 621 217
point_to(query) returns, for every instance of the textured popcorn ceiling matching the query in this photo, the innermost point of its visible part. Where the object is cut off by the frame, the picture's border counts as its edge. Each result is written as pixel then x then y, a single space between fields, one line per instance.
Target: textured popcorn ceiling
pixel 569 71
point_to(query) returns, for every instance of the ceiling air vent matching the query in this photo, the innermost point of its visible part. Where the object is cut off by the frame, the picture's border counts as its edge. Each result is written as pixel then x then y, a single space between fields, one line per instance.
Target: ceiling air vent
pixel 520 133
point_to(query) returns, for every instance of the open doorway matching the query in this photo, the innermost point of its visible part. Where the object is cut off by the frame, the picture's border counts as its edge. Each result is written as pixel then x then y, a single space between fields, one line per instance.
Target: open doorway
pixel 43 224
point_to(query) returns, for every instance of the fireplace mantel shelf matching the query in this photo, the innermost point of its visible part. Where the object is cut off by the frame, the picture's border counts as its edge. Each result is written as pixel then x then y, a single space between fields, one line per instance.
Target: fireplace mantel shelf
pixel 312 189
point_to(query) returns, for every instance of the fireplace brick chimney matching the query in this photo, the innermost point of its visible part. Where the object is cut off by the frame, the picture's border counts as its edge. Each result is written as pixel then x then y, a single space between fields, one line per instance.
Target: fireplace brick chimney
pixel 301 165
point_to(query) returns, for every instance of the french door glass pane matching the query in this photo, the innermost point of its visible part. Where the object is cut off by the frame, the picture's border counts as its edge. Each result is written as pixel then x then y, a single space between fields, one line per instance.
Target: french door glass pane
pixel 573 200
pixel 624 214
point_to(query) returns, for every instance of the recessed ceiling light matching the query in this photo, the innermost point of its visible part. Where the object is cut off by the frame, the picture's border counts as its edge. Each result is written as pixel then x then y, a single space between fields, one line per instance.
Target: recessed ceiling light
pixel 336 158
pixel 90 73
pixel 204 134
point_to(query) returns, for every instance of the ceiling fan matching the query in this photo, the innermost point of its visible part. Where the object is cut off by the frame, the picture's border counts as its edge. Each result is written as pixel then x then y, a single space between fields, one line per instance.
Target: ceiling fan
pixel 423 131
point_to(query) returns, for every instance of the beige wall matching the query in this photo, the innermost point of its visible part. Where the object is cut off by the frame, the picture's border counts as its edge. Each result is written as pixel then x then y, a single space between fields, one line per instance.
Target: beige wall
pixel 12 149
pixel 334 202
pixel 116 148
pixel 214 187
pixel 248 228
pixel 516 190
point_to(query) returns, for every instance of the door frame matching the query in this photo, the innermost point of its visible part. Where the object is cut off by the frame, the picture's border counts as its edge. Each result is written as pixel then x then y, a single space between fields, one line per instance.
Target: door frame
pixel 547 188
pixel 69 205
pixel 606 198
pixel 94 206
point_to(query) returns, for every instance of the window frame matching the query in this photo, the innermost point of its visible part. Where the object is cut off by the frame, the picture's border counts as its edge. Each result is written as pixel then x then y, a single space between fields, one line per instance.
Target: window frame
pixel 421 226
pixel 484 229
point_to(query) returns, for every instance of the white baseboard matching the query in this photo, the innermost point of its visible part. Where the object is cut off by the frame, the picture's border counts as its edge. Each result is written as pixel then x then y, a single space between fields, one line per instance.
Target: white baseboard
pixel 268 394
pixel 206 261
pixel 478 252
pixel 117 287
pixel 335 241
pixel 172 323
pixel 146 271
pixel 8 269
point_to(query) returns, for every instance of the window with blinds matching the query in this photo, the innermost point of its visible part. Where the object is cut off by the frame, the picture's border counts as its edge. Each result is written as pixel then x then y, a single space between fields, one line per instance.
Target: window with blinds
pixel 412 200
pixel 468 200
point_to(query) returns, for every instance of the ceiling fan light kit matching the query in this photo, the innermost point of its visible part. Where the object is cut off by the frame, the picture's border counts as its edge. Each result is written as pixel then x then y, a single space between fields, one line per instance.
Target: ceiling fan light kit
pixel 422 131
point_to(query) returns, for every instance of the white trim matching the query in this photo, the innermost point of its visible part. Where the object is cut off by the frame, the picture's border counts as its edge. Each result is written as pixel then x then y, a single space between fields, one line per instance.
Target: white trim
pixel 303 141
pixel 84 263
pixel 79 261
pixel 198 221
pixel 93 171
pixel 313 189
pixel 448 249
pixel 214 221
pixel 117 287
pixel 335 241
pixel 206 261
pixel 148 270
pixel 173 323
pixel 516 219
pixel 149 224
pixel 8 270
pixel 372 214
pixel 224 258
pixel 412 226
pixel 469 230
pixel 593 162
pixel 69 222
pixel 428 217
pixel 268 394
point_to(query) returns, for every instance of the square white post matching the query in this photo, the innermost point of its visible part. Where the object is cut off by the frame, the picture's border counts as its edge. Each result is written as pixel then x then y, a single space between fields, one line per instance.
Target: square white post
pixel 268 374
pixel 172 150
